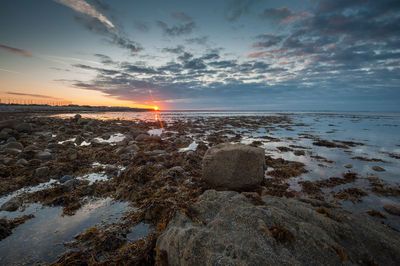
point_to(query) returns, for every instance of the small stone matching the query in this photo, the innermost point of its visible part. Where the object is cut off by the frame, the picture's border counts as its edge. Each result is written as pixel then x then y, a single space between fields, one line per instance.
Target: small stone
pixel 43 155
pixel 42 172
pixel 78 140
pixel 142 137
pixel 11 139
pixel 77 117
pixel 24 127
pixel 348 166
pixel 11 205
pixel 22 162
pixel 4 135
pixel 65 179
pixel 392 208
pixel 12 151
pixel 71 184
pixel 14 145
pixel 377 168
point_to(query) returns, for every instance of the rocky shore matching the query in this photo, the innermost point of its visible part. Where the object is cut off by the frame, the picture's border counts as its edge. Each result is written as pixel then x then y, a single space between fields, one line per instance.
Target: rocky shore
pixel 207 200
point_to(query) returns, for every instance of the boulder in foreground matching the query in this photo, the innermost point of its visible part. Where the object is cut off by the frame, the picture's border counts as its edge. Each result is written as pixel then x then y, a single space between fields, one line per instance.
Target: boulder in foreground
pixel 234 166
pixel 229 228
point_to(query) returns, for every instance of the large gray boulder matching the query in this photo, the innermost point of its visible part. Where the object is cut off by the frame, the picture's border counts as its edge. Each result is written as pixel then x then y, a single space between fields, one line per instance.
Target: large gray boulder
pixel 234 166
pixel 229 228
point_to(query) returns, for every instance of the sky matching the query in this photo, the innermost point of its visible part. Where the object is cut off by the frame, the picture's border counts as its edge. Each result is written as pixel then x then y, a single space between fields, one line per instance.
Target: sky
pixel 203 55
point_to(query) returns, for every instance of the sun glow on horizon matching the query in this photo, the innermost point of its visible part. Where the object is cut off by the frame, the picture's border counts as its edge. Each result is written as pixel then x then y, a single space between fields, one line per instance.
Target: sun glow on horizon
pixel 155 108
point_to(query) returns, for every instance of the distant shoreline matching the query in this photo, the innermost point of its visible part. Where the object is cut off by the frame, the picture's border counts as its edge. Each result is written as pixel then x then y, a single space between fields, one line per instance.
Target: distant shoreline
pixel 19 108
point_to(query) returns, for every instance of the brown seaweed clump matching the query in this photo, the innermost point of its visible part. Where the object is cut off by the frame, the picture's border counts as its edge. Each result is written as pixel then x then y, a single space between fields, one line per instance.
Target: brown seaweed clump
pixel 281 234
pixel 6 226
pixel 284 169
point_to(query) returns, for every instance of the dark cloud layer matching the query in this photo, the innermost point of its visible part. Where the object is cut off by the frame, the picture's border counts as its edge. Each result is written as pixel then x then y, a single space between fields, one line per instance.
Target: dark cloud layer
pixel 15 50
pixel 331 54
pixel 177 30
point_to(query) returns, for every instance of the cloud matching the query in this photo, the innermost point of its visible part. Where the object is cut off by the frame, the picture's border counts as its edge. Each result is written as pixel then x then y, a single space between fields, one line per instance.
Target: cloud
pixel 141 26
pixel 198 40
pixel 237 8
pixel 16 50
pixel 96 22
pixel 83 7
pixel 177 30
pixel 174 50
pixel 32 95
pixel 115 37
pixel 181 16
pixel 281 15
pixel 267 40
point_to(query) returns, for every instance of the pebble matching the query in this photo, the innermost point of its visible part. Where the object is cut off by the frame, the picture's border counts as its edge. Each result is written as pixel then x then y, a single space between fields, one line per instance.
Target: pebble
pixel 42 172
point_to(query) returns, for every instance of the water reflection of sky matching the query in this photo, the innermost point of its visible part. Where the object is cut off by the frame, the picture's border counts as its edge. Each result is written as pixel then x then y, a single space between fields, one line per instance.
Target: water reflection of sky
pixel 41 238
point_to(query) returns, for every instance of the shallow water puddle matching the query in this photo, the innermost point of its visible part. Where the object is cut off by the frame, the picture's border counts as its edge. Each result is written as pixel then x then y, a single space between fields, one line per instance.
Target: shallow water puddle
pixel 41 239
pixel 139 231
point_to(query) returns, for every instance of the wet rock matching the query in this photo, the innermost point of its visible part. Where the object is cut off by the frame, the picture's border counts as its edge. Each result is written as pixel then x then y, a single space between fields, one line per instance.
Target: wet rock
pixel 12 151
pixel 14 145
pixel 23 127
pixel 348 166
pixel 42 172
pixel 11 139
pixel 4 135
pixel 65 179
pixel 82 121
pixel 88 128
pixel 127 149
pixel 78 140
pixel 392 208
pixel 71 183
pixel 228 228
pixel 11 205
pixel 156 152
pixel 377 168
pixel 8 124
pixel 43 156
pixel 22 162
pixel 77 117
pixel 234 166
pixel 142 137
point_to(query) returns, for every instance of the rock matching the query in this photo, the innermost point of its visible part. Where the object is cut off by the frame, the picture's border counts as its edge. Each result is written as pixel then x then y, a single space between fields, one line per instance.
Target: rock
pixel 65 179
pixel 8 124
pixel 127 149
pixel 228 228
pixel 15 145
pixel 71 184
pixel 43 155
pixel 11 139
pixel 11 205
pixel 42 172
pixel 392 208
pixel 155 152
pixel 22 162
pixel 87 128
pixel 82 121
pixel 377 168
pixel 12 151
pixel 4 135
pixel 23 127
pixel 234 166
pixel 348 166
pixel 77 117
pixel 142 137
pixel 78 140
